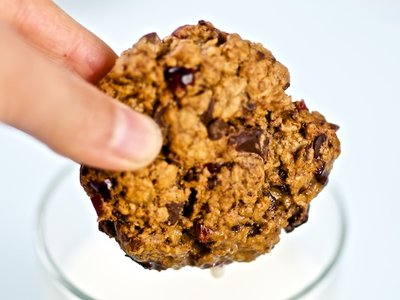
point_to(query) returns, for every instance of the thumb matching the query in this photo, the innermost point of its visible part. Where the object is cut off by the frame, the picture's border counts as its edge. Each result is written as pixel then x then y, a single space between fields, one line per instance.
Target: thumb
pixel 69 115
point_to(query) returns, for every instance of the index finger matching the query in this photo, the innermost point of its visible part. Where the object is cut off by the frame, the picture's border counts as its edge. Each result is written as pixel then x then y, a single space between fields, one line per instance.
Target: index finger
pixel 60 37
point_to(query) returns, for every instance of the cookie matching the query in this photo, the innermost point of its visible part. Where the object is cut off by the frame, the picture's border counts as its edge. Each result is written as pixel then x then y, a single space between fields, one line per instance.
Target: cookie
pixel 240 160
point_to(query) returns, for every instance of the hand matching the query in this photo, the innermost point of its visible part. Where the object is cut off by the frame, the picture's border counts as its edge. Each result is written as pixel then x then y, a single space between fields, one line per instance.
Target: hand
pixel 47 62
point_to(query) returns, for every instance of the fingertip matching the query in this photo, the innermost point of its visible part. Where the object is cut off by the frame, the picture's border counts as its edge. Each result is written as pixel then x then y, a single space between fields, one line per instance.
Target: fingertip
pixel 99 62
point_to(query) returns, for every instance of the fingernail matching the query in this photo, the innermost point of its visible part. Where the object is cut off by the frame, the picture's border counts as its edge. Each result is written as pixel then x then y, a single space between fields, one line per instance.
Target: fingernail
pixel 137 138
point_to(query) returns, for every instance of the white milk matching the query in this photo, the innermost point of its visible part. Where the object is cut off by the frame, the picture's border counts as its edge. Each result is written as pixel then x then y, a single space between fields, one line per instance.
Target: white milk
pixel 101 270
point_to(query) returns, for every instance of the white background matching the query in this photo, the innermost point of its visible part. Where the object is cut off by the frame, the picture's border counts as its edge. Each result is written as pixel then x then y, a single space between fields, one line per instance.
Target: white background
pixel 344 59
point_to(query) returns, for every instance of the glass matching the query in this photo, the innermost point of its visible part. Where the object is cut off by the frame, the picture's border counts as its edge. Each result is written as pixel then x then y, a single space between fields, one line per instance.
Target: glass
pixel 79 262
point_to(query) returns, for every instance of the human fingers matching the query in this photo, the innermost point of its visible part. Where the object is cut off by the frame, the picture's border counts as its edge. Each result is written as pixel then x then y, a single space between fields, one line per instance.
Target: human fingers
pixel 59 37
pixel 68 114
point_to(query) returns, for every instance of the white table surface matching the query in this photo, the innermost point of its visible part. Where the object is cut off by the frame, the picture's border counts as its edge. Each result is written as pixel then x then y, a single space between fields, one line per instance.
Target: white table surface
pixel 344 59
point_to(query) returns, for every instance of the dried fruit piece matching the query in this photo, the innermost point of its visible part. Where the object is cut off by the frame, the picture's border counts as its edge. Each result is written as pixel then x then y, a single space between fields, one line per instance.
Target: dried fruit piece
pixel 202 233
pixel 178 78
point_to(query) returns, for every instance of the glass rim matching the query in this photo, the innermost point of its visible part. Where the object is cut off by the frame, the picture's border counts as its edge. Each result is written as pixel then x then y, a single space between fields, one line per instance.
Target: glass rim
pixel 45 257
pixel 50 266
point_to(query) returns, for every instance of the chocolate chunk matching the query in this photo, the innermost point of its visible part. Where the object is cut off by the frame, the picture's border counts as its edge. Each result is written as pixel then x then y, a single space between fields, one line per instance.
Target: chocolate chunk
pixel 251 141
pixel 188 208
pixel 255 229
pixel 299 217
pixel 318 141
pixel 108 228
pixel 217 129
pixel 191 175
pixel 214 167
pixel 221 38
pixel 178 78
pixel 103 188
pixel 207 116
pixel 202 233
pixel 321 174
pixel 174 211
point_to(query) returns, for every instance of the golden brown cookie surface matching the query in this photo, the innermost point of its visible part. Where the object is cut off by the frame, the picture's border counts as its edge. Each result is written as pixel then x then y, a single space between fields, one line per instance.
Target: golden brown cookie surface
pixel 240 160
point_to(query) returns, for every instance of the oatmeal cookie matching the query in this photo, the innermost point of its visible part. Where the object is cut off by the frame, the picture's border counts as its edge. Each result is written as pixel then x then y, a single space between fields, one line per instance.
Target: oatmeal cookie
pixel 240 160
